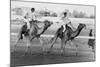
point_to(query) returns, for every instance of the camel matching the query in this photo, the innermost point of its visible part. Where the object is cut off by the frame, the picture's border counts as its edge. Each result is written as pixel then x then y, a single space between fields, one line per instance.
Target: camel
pixel 34 31
pixel 66 36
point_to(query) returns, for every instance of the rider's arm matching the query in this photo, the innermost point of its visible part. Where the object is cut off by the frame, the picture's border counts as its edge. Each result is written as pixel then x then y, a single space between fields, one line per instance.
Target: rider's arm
pixel 69 23
pixel 24 18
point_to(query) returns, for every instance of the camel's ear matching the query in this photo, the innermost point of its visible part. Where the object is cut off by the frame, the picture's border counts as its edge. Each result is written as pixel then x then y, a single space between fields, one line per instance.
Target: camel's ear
pixel 61 26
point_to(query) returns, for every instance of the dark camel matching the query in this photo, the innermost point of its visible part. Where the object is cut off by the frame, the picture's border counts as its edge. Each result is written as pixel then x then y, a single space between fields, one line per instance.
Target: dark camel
pixel 69 34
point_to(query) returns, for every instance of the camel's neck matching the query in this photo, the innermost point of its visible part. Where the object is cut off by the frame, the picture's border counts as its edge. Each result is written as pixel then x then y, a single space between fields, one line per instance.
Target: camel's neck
pixel 43 30
pixel 77 32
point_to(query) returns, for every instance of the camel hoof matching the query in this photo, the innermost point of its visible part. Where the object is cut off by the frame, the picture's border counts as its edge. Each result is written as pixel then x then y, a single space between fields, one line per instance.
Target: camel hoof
pixel 48 51
pixel 31 40
pixel 76 46
pixel 45 53
pixel 25 53
pixel 62 54
pixel 14 51
pixel 93 50
pixel 76 54
pixel 28 47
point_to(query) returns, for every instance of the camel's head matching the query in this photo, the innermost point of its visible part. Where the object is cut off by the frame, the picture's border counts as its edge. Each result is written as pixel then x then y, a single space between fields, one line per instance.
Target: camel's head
pixel 81 25
pixel 48 23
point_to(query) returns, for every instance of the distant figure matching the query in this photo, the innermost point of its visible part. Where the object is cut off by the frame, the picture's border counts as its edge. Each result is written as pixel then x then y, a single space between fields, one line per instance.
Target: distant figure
pixel 91 42
pixel 90 34
pixel 65 20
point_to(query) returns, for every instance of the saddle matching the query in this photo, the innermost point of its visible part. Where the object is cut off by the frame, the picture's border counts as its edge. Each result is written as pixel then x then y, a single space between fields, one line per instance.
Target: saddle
pixel 24 30
pixel 33 21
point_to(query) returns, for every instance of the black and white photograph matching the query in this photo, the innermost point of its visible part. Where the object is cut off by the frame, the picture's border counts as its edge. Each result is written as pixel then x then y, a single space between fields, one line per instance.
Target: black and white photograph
pixel 51 33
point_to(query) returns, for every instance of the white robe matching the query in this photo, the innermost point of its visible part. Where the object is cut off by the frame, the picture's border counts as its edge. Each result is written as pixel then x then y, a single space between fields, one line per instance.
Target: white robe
pixel 29 17
pixel 64 21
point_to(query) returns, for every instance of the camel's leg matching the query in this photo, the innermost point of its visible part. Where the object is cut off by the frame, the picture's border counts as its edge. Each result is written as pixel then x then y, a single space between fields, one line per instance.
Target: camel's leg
pixel 27 45
pixel 53 41
pixel 76 50
pixel 70 43
pixel 30 33
pixel 62 46
pixel 15 46
pixel 32 37
pixel 93 50
pixel 17 42
pixel 52 44
pixel 42 43
pixel 19 38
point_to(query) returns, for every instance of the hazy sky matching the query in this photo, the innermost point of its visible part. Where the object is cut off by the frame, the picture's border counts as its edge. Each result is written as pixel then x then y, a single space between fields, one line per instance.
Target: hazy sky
pixel 54 7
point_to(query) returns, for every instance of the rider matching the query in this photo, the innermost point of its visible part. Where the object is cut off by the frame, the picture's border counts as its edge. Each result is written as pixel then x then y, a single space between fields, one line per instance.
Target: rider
pixel 32 15
pixel 65 20
pixel 28 17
